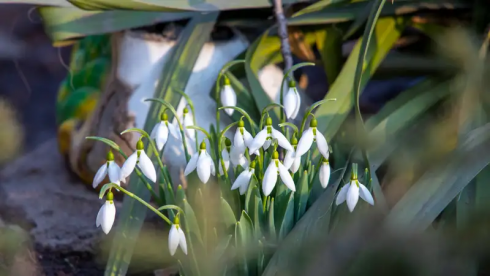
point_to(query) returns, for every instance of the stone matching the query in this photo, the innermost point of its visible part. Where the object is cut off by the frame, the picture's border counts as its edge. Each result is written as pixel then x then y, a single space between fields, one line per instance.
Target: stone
pixel 40 195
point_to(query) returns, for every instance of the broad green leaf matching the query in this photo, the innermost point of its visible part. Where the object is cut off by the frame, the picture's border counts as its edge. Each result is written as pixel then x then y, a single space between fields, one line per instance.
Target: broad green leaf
pixel 222 246
pixel 288 218
pixel 331 116
pixel 190 221
pixel 227 215
pixel 403 111
pixel 214 5
pixel 343 12
pixel 265 50
pixel 244 240
pixel 271 222
pixel 176 73
pixel 69 23
pixel 301 196
pixel 54 3
pixel 314 222
pixel 257 211
pixel 426 199
pixel 329 44
pixel 250 194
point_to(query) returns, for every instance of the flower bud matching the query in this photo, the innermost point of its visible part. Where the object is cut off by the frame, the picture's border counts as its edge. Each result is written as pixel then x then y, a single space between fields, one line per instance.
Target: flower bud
pixel 110 156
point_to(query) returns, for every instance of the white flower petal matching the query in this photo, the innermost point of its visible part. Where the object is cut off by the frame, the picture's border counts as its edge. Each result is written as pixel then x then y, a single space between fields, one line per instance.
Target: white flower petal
pixel 305 142
pixel 247 137
pixel 239 142
pixel 298 105
pixel 100 175
pixel 189 121
pixel 154 131
pixel 258 141
pixel 342 194
pixel 240 180
pixel 129 164
pixel 228 98
pixel 243 161
pixel 244 187
pixel 352 196
pixel 161 136
pixel 98 220
pixel 173 239
pixel 108 216
pixel 297 162
pixel 270 179
pixel 213 169
pixel 114 172
pixel 286 177
pixel 174 131
pixel 322 145
pixel 288 159
pixel 191 166
pixel 182 241
pixel 290 102
pixel 267 144
pixel 324 175
pixel 365 194
pixel 281 140
pixel 204 168
pixel 147 167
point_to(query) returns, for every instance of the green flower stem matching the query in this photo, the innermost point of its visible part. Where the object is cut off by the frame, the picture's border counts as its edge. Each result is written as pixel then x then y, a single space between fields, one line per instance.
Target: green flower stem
pixel 220 138
pixel 201 130
pixel 245 114
pixel 112 185
pixel 303 123
pixel 171 108
pixel 217 88
pixel 115 146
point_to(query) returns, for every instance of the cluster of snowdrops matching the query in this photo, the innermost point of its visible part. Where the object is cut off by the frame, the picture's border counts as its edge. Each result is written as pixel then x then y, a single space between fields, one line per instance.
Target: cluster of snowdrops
pixel 245 151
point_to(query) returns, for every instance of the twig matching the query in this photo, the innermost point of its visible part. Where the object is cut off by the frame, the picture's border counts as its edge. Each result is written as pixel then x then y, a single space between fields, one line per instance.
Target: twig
pixel 282 30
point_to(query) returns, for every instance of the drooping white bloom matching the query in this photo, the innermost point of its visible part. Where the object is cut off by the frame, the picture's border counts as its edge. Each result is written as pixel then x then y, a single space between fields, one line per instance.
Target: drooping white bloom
pixel 324 173
pixel 226 160
pixel 111 168
pixel 160 131
pixel 228 97
pixel 107 214
pixel 241 141
pixel 188 121
pixel 312 135
pixel 176 238
pixel 139 158
pixel 243 180
pixel 270 176
pixel 351 193
pixel 203 163
pixel 292 161
pixel 292 101
pixel 265 136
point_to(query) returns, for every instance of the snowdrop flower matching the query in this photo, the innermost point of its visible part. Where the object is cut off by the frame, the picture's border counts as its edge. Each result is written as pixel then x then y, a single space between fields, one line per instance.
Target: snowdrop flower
pixel 202 162
pixel 107 214
pixel 351 193
pixel 292 161
pixel 228 97
pixel 110 167
pixel 292 101
pixel 241 141
pixel 243 180
pixel 265 136
pixel 309 136
pixel 226 156
pixel 176 238
pixel 161 130
pixel 324 173
pixel 187 120
pixel 139 158
pixel 270 176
